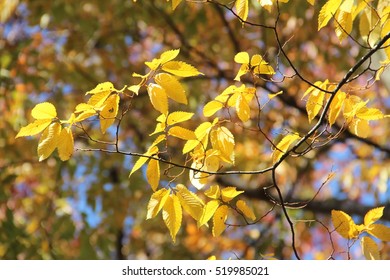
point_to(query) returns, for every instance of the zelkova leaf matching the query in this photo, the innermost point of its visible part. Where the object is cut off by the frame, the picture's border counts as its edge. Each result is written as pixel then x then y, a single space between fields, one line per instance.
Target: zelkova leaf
pixel 335 107
pixel 108 114
pixel 142 160
pixel 343 25
pixel 242 58
pixel 211 108
pixel 153 173
pixel 283 145
pixel 373 215
pixel 327 11
pixel 242 9
pixel 242 108
pixel 190 202
pixel 65 144
pixel 182 133
pixel 172 215
pixel 172 87
pixel 380 231
pixel 208 211
pixel 369 248
pixel 244 208
pixel 344 225
pixel 171 54
pixel 158 98
pixel 102 87
pixel 48 141
pixel 156 202
pixel 33 128
pixel 219 220
pixel 43 111
pixel 178 117
pixel 213 192
pixel 229 193
pixel 314 103
pixel 181 69
pixel 360 128
pixel 370 114
pixel 223 141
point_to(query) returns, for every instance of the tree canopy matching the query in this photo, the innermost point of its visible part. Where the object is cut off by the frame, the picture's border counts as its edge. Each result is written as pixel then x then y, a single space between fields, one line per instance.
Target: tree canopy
pixel 247 129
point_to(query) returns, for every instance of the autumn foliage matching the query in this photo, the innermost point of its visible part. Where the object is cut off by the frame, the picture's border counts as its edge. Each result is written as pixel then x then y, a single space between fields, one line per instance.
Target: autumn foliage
pixel 205 161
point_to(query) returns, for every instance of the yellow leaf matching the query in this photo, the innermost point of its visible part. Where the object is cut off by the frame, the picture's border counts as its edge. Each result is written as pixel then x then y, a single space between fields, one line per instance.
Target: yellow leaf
pixel 208 211
pixel 219 219
pixel 380 231
pixel 213 192
pixel 283 145
pixel 369 26
pixel 43 111
pixel 190 145
pixel 172 215
pixel 33 128
pixel 264 68
pixel 142 160
pixel 373 215
pixel 335 107
pixel 369 248
pixel 360 128
pixel 347 6
pixel 223 140
pixel 344 224
pixel 327 12
pixel 96 101
pixel 242 58
pixel 156 202
pixel 153 173
pixel 211 258
pixel 242 108
pixel 266 4
pixel 182 133
pixel 311 2
pixel 343 25
pixel 153 65
pixel 102 87
pixel 242 71
pixel 190 202
pixel 171 54
pixel 242 9
pixel 314 103
pixel 172 87
pixel 211 108
pixel 177 117
pixel 244 208
pixel 181 69
pixel 273 95
pixel 48 141
pixel 65 144
pixel 158 98
pixel 369 114
pixel 109 112
pixel 203 130
pixel 229 193
pixel 134 88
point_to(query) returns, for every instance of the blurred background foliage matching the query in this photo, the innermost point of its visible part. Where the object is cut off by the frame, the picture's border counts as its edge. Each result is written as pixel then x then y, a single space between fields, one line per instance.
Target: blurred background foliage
pixel 87 208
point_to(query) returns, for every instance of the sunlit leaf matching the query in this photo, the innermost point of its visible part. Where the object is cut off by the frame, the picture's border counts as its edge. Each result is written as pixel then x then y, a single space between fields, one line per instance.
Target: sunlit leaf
pixel 153 173
pixel 48 141
pixel 172 87
pixel 190 202
pixel 360 128
pixel 380 231
pixel 182 133
pixel 33 128
pixel 177 117
pixel 171 54
pixel 370 114
pixel 106 87
pixel 229 193
pixel 370 249
pixel 223 140
pixel 65 144
pixel 242 108
pixel 244 208
pixel 314 103
pixel 208 211
pixel 109 112
pixel 344 225
pixel 242 9
pixel 373 215
pixel 211 108
pixel 156 202
pixel 172 215
pixel 327 12
pixel 181 69
pixel 283 145
pixel 335 107
pixel 213 192
pixel 142 160
pixel 219 220
pixel 158 98
pixel 273 95
pixel 43 111
pixel 242 58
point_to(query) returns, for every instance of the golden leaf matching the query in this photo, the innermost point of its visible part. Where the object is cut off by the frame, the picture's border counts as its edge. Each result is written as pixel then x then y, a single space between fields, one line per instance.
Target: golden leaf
pixel 211 108
pixel 109 112
pixel 48 141
pixel 65 144
pixel 213 192
pixel 229 193
pixel 373 215
pixel 219 219
pixel 172 215
pixel 182 133
pixel 344 224
pixel 43 111
pixel 380 231
pixel 327 11
pixel 242 9
pixel 181 69
pixel 102 88
pixel 172 87
pixel 153 173
pixel 369 248
pixel 190 202
pixel 158 98
pixel 244 208
pixel 33 128
pixel 156 202
pixel 177 117
pixel 242 108
pixel 208 211
pixel 283 145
